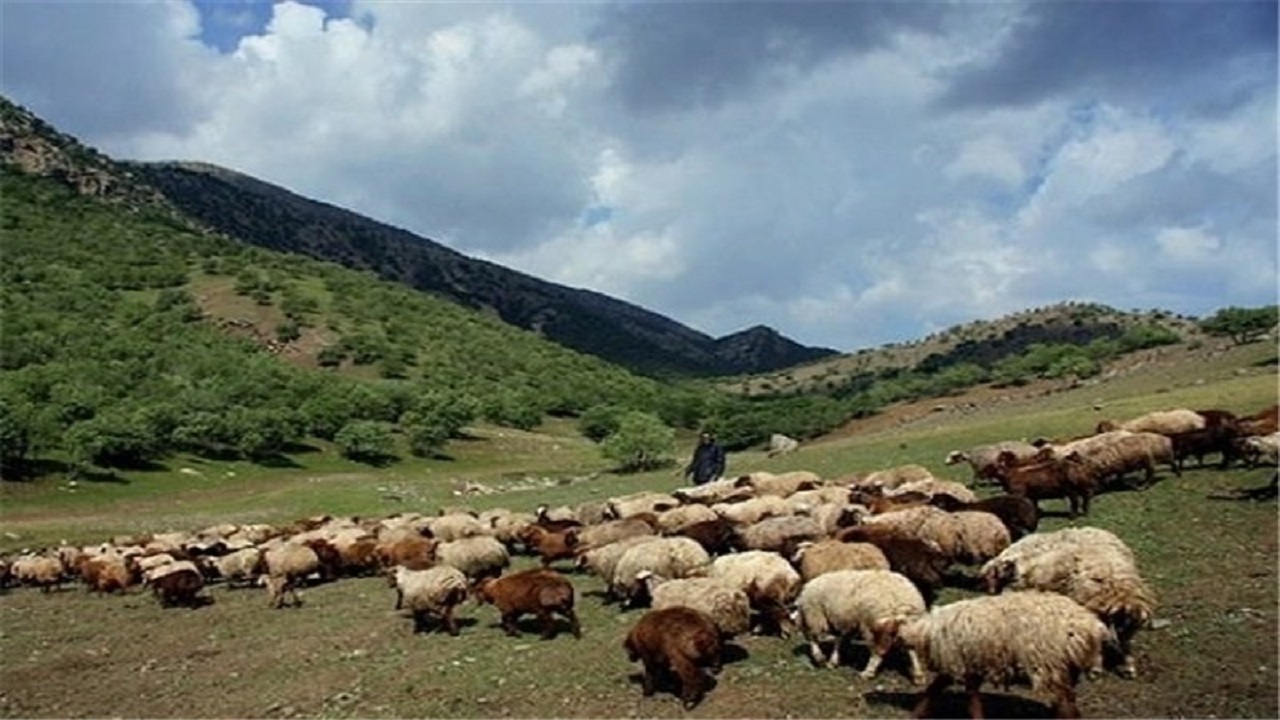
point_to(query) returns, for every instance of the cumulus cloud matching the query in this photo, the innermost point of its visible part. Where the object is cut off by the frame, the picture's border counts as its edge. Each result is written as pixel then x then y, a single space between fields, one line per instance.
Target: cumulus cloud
pixel 849 173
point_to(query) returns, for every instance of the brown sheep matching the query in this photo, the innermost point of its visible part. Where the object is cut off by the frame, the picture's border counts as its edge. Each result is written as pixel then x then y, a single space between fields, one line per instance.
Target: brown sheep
pixel 677 641
pixel 103 574
pixel 412 551
pixel 1263 422
pixel 1044 479
pixel 1018 513
pixel 177 583
pixel 922 562
pixel 539 591
pixel 550 545
pixel 715 536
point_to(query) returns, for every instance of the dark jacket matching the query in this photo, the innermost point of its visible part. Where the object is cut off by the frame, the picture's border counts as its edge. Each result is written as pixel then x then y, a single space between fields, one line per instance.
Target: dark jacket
pixel 707 463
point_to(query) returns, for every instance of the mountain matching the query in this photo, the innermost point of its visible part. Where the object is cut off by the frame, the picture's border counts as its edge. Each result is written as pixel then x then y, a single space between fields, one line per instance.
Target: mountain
pixel 643 341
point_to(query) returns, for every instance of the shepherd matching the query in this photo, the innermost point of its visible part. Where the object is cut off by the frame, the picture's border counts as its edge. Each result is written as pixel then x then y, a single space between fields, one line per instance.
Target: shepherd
pixel 708 460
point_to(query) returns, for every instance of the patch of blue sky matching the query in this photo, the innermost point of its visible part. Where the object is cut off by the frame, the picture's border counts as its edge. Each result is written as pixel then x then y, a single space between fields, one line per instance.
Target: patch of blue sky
pixel 224 22
pixel 595 215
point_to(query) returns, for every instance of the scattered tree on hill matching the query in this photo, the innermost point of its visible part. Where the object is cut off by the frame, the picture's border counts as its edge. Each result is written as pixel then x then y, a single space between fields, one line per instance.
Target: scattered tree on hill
pixel 600 421
pixel 367 441
pixel 1242 325
pixel 642 442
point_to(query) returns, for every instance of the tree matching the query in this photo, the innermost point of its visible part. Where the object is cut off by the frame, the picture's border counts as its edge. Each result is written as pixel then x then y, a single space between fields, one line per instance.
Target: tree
pixel 600 421
pixel 367 441
pixel 15 440
pixel 642 442
pixel 1242 325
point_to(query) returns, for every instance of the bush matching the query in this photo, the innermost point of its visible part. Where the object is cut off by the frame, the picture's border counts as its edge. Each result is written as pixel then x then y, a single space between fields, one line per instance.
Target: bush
pixel 600 421
pixel 367 441
pixel 642 442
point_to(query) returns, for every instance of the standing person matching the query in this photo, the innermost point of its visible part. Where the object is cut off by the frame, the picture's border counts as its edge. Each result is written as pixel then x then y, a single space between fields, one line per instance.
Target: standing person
pixel 708 460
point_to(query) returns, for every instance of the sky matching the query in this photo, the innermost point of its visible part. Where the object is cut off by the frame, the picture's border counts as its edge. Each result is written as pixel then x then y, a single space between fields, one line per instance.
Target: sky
pixel 848 173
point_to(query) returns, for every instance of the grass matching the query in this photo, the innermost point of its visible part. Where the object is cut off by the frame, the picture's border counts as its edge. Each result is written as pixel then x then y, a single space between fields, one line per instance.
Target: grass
pixel 346 653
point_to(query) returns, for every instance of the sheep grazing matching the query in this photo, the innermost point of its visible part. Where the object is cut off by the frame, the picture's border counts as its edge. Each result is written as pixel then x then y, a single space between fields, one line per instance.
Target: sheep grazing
pixel 766 483
pixel 550 545
pixel 1043 639
pixel 1095 569
pixel 780 534
pixel 107 573
pixel 1258 449
pixel 670 521
pixel 1018 513
pixel 872 604
pixel 1046 479
pixel 1263 422
pixel 676 642
pixel 287 565
pixel 752 511
pixel 825 556
pixel 602 561
pixel 239 567
pixel 540 592
pixel 456 526
pixel 620 508
pixel 982 459
pixel 477 557
pixel 726 605
pixel 613 530
pixel 408 550
pixel 556 519
pixel 716 536
pixel 670 557
pixel 42 571
pixel 1162 422
pixel 1219 439
pixel 715 492
pixel 769 581
pixel 434 592
pixel 933 487
pixel 893 477
pixel 176 583
pixel 1110 456
pixel 921 561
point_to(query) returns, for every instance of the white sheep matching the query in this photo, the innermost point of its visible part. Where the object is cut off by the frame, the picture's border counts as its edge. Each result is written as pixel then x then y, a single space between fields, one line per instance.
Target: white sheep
pixel 780 534
pixel 823 495
pixel 436 591
pixel 818 558
pixel 642 502
pixel 477 557
pixel 1164 422
pixel 871 604
pixel 714 493
pixel 981 536
pixel 726 605
pixel 238 567
pixel 670 557
pixel 753 510
pixel 890 478
pixel 456 526
pixel 287 564
pixel 769 581
pixel 602 561
pixel 923 522
pixel 589 536
pixel 1042 639
pixel 1111 455
pixel 669 521
pixel 934 486
pixel 831 517
pixel 781 485
pixel 982 459
pixel 1261 449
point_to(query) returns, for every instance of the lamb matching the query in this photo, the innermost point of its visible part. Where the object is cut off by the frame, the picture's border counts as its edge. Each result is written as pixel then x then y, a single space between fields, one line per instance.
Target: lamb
pixel 870 603
pixel 1096 570
pixel 549 545
pixel 477 557
pixel 766 483
pixel 780 534
pixel 1161 421
pixel 727 606
pixel 670 557
pixel 1018 513
pixel 1043 639
pixel 436 591
pixel 982 459
pixel 539 591
pixel 176 583
pixel 769 581
pixel 679 641
pixel 815 559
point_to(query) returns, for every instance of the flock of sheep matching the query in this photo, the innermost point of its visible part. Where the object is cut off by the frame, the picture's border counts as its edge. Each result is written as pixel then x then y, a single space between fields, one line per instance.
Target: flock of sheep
pixel 860 557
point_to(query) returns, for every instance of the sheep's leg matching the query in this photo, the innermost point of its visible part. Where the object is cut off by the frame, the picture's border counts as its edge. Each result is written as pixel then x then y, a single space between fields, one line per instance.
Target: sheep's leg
pixel 399 599
pixel 881 643
pixel 548 623
pixel 419 620
pixel 574 625
pixel 834 659
pixel 509 624
pixel 816 654
pixel 1064 703
pixel 917 670
pixel 929 698
pixel 648 679
pixel 690 681
pixel 450 622
pixel 973 686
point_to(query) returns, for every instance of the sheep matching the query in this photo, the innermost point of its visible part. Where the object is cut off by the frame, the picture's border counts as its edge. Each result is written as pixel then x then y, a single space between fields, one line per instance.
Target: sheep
pixel 556 519
pixel 921 561
pixel 1045 479
pixel 716 536
pixel 872 604
pixel 823 495
pixel 679 641
pixel 831 517
pixel 436 591
pixel 549 545
pixel 670 557
pixel 410 550
pixel 176 583
pixel 813 559
pixel 602 560
pixel 752 511
pixel 1258 449
pixel 779 534
pixel 714 493
pixel 287 564
pixel 239 567
pixel 769 581
pixel 107 573
pixel 456 526
pixel 726 605
pixel 1219 439
pixel 1095 569
pixel 780 444
pixel 1160 421
pixel 925 522
pixel 1018 513
pixel 982 459
pixel 982 536
pixel 612 531
pixel 476 557
pixel 893 477
pixel 539 591
pixel 934 487
pixel 620 508
pixel 39 570
pixel 670 521
pixel 506 526
pixel 783 485
pixel 877 502
pixel 1110 456
pixel 1043 639
pixel 1263 422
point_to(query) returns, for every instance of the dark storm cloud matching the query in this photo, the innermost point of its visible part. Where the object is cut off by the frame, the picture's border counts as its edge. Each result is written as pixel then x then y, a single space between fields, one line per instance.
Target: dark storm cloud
pixel 1163 51
pixel 674 55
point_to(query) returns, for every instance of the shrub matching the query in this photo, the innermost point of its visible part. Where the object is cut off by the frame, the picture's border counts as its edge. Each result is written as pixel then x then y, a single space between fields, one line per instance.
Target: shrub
pixel 642 442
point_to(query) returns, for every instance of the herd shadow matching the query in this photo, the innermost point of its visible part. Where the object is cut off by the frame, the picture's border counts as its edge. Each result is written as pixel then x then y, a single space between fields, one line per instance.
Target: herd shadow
pixel 955 704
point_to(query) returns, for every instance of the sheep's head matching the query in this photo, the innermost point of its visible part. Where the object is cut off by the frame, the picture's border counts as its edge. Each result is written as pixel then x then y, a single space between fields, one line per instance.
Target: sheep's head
pixel 956 456
pixel 482 590
pixel 998 575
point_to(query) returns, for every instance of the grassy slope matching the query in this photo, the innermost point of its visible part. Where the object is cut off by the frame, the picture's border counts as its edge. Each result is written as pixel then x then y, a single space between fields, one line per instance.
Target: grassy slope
pixel 347 654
